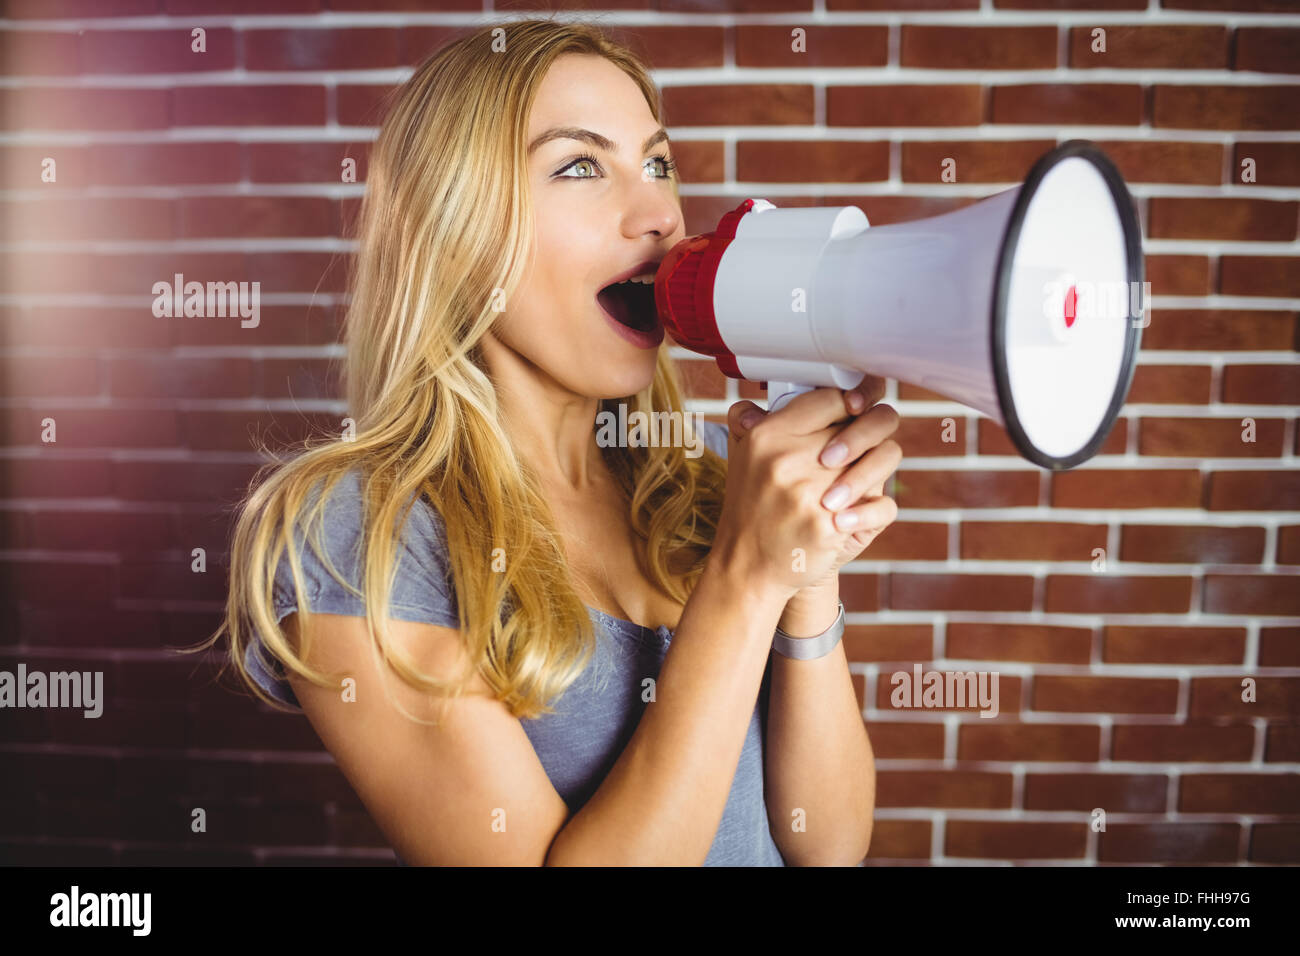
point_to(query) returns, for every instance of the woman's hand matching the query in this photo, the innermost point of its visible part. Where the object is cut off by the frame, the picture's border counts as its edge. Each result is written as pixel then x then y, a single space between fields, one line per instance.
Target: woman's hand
pixel 866 458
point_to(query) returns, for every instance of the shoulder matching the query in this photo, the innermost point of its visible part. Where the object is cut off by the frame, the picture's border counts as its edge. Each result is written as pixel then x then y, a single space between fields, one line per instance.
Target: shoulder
pixel 422 582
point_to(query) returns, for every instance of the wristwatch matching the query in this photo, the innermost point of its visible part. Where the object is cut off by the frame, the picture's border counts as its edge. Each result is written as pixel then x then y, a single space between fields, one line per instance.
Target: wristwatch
pixel 810 648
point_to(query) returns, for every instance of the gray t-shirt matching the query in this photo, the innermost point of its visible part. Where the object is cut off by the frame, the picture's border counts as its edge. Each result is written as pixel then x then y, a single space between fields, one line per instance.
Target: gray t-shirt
pixel 593 719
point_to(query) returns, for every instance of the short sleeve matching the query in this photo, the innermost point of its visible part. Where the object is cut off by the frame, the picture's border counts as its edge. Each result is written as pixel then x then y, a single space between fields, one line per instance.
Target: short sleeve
pixel 715 437
pixel 422 587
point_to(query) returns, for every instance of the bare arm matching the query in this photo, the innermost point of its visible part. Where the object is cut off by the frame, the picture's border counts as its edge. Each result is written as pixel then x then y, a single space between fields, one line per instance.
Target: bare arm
pixel 471 790
pixel 819 768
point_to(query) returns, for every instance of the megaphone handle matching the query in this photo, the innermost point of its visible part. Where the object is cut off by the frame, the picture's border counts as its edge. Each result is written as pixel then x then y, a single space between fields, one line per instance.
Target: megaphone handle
pixel 779 393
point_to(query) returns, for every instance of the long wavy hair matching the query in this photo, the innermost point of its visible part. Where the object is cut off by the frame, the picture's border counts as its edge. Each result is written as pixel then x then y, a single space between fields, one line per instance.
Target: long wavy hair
pixel 444 229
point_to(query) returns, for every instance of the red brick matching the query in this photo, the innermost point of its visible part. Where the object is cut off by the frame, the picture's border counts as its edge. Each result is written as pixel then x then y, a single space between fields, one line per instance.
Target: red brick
pixel 1220 330
pixel 1262 384
pixel 301 379
pixel 1148 488
pixel 888 642
pixel 995 839
pixel 1117 792
pixel 289 105
pixel 305 162
pixel 326 48
pixel 1107 104
pixel 161 164
pixel 900 839
pixel 80 477
pixel 1275 843
pixel 1030 540
pixel 753 104
pixel 229 7
pixel 1210 437
pixel 1184 544
pixel 943 788
pixel 1111 695
pixel 1260 275
pixel 49 376
pixel 1240 6
pixel 1239 793
pixel 821 161
pixel 246 430
pixel 896 740
pixel 910 541
pixel 982 161
pixel 77 9
pixel 1279 646
pixel 839 45
pixel 965 489
pixel 889 683
pixel 1266 49
pixel 981 641
pixel 165 481
pixel 155 51
pixel 1185 743
pixel 1282 744
pixel 1070 743
pixel 92 427
pixel 1164 47
pixel 1225 107
pixel 924 436
pixel 165 376
pixel 700 161
pixel 704 6
pixel 234 217
pixel 977 48
pixel 360 105
pixel 1166 162
pixel 1169 843
pixel 1254 490
pixel 120 531
pixel 84 108
pixel 1180 217
pixel 38 53
pixel 1252 593
pixel 1178 275
pixel 909 5
pixel 1069 4
pixel 905 105
pixel 672 47
pixel 961 592
pixel 1170 384
pixel 1288 544
pixel 1276 164
pixel 1222 697
pixel 88 218
pixel 1174 645
pixel 1113 593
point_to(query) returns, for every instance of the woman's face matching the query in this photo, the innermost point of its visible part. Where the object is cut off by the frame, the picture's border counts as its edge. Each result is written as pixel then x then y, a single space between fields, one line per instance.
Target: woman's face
pixel 596 219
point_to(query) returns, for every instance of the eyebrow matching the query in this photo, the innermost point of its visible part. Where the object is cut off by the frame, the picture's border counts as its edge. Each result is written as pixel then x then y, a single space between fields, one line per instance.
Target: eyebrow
pixel 595 139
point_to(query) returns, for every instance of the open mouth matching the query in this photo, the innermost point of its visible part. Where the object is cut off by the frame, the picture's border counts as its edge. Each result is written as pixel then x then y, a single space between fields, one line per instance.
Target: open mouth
pixel 631 304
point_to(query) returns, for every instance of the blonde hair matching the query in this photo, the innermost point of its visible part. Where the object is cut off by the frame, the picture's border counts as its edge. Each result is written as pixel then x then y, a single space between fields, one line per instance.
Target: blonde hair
pixel 446 222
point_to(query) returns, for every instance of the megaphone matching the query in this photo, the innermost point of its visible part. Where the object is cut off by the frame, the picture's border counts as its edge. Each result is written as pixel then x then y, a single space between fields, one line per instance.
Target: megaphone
pixel 1027 306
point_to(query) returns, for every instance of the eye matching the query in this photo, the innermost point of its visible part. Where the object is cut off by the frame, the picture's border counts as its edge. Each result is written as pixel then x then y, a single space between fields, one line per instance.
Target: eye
pixel 581 160
pixel 668 164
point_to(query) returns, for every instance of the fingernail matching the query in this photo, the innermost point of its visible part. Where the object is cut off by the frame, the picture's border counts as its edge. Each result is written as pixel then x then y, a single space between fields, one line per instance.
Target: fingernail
pixel 834 453
pixel 857 401
pixel 837 497
pixel 750 417
pixel 846 520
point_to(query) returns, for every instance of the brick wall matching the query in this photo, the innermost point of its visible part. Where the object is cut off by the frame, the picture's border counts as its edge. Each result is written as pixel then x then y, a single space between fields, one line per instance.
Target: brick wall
pixel 1121 688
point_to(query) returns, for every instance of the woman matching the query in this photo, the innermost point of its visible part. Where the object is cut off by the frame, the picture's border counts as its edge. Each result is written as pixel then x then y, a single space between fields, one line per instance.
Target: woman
pixel 569 663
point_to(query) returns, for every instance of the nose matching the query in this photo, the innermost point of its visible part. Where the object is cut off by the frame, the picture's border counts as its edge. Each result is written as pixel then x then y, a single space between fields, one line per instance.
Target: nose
pixel 653 208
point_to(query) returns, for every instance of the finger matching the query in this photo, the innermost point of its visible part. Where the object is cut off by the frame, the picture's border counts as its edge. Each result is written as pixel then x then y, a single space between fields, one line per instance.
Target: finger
pixel 811 411
pixel 868 472
pixel 859 436
pixel 865 394
pixel 740 411
pixel 873 516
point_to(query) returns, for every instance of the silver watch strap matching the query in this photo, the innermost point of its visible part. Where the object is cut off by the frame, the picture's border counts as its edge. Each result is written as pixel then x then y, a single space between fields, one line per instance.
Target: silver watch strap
pixel 810 648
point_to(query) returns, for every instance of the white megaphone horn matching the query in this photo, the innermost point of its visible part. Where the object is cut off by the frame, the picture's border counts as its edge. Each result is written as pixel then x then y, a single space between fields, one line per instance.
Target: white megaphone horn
pixel 1027 306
